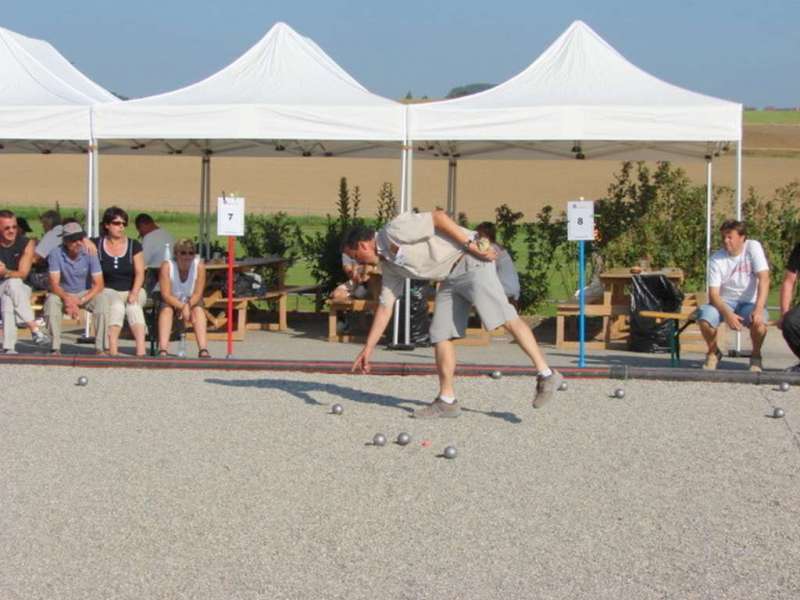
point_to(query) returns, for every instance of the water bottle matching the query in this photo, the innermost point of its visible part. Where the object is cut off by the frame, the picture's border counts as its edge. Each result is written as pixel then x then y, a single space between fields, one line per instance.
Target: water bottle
pixel 182 345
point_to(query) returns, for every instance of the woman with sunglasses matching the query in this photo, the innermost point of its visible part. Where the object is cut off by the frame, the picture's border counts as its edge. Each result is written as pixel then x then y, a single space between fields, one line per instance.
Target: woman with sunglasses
pixel 122 262
pixel 182 281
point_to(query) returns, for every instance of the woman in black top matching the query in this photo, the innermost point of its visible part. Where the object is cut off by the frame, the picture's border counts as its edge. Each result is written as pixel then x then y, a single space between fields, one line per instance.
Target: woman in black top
pixel 123 273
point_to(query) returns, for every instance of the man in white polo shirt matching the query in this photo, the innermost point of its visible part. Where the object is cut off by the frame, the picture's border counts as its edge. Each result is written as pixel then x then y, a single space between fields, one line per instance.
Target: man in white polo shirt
pixel 432 246
pixel 738 285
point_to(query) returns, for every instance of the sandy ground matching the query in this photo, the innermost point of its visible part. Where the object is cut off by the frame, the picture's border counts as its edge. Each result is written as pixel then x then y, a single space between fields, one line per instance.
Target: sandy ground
pixel 231 485
pixel 310 185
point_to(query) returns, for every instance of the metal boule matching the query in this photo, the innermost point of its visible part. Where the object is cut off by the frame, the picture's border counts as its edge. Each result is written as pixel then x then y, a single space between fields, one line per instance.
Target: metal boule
pixel 337 409
pixel 379 439
pixel 785 386
pixel 778 413
pixel 450 452
pixel 82 381
pixel 403 439
pixel 619 393
pixel 495 374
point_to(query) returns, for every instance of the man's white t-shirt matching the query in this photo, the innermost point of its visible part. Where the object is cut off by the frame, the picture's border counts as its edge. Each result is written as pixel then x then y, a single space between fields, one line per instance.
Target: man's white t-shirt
pixel 49 242
pixel 735 276
pixel 154 247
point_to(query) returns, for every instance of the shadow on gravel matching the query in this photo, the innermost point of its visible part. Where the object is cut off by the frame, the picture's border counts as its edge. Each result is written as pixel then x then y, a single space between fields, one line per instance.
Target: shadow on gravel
pixel 304 390
pixel 509 417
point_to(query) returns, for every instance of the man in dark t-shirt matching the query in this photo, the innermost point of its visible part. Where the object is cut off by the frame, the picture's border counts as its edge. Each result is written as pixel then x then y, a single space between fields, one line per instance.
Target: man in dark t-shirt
pixel 16 257
pixel 790 317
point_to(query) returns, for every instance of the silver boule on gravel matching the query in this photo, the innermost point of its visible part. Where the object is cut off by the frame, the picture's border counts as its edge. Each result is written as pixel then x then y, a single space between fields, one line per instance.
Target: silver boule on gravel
pixel 450 452
pixel 619 393
pixel 495 374
pixel 778 413
pixel 379 439
pixel 403 439
pixel 337 409
pixel 562 387
pixel 784 386
pixel 83 380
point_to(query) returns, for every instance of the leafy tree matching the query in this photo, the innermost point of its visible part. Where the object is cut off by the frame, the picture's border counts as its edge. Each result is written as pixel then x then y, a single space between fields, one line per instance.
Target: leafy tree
pixel 466 90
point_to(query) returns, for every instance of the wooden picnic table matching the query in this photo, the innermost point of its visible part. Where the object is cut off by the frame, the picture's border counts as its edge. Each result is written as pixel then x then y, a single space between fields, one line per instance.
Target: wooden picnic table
pixel 615 283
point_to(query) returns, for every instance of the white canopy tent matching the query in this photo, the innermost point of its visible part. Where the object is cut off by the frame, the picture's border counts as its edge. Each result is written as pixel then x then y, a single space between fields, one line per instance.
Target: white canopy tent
pixel 45 103
pixel 283 97
pixel 580 99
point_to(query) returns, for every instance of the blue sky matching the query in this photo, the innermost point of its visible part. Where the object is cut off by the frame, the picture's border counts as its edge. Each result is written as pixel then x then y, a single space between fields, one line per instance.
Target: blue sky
pixel 748 51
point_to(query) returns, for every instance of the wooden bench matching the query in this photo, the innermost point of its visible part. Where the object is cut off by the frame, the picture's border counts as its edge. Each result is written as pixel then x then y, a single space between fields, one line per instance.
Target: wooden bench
pixel 603 309
pixel 682 321
pixel 216 304
pixel 475 336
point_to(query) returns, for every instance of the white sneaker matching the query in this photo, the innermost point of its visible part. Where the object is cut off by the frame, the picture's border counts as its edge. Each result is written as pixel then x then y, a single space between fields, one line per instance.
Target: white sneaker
pixel 40 338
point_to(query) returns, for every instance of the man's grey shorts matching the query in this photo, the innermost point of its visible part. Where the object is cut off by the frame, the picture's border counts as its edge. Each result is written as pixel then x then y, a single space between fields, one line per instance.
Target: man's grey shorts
pixel 473 282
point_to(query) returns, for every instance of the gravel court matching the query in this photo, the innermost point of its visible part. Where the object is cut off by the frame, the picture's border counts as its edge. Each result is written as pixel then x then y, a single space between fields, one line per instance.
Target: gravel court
pixel 243 485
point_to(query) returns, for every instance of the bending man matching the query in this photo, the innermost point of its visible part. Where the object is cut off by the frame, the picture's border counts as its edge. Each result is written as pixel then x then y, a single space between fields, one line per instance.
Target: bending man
pixel 432 246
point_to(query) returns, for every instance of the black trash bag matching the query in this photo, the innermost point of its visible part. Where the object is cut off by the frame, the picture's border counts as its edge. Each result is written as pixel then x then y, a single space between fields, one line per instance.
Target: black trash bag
pixel 420 321
pixel 652 292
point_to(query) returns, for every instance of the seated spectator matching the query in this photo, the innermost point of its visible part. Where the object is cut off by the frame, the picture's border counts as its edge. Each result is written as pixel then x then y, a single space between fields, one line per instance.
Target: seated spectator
pixel 182 281
pixel 123 273
pixel 76 281
pixel 362 281
pixel 157 243
pixel 738 284
pixel 506 271
pixel 16 256
pixel 39 278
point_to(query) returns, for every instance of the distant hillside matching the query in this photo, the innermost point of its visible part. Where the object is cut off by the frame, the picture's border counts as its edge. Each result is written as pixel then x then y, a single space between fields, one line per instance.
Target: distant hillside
pixel 471 88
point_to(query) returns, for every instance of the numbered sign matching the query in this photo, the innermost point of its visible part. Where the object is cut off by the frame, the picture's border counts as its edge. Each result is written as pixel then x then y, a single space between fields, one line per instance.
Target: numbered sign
pixel 230 215
pixel 580 220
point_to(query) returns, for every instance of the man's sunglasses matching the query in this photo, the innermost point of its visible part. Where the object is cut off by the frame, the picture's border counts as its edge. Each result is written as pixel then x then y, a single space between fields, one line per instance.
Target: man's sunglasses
pixel 121 223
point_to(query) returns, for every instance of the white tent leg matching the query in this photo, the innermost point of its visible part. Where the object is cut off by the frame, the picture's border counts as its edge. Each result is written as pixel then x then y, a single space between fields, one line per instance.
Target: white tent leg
pixel 739 213
pixel 207 238
pixel 201 224
pixel 91 222
pixel 708 215
pixel 96 188
pixel 409 204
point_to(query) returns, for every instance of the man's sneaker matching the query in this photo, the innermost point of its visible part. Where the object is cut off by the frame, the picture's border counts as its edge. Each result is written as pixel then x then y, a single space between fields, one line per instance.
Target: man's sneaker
pixel 40 338
pixel 712 360
pixel 755 364
pixel 4 351
pixel 438 409
pixel 546 387
pixel 793 369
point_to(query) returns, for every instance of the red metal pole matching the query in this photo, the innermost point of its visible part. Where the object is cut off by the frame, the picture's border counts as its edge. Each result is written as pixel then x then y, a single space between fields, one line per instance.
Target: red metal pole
pixel 231 251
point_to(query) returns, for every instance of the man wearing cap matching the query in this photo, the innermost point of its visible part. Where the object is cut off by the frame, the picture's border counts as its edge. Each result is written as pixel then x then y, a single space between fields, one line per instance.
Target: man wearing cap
pixel 76 280
pixel 16 256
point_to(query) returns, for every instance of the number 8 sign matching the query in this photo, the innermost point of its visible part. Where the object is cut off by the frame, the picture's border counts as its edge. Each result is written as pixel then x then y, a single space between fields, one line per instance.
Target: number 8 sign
pixel 580 220
pixel 230 216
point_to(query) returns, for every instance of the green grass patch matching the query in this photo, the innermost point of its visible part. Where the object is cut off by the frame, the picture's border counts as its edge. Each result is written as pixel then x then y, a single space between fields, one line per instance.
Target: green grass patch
pixel 772 117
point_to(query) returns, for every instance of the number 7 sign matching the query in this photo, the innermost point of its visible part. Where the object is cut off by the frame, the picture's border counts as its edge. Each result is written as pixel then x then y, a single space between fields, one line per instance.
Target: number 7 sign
pixel 230 216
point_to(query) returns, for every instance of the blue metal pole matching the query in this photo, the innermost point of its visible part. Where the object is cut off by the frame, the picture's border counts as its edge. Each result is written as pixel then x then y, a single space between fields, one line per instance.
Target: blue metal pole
pixel 581 305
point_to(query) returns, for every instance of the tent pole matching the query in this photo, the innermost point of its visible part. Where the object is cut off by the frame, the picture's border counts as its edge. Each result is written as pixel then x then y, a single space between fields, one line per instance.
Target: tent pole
pixel 739 213
pixel 455 189
pixel 95 187
pixel 208 205
pixel 409 204
pixel 708 215
pixel 739 180
pixel 202 207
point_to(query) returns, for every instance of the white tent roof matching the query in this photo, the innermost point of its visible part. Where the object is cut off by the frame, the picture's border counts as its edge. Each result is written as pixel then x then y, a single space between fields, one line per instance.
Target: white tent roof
pixel 285 88
pixel 583 94
pixel 42 96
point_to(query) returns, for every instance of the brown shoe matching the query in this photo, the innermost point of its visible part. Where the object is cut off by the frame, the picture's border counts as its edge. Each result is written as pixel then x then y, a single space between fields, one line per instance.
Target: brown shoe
pixel 438 409
pixel 755 364
pixel 712 360
pixel 546 387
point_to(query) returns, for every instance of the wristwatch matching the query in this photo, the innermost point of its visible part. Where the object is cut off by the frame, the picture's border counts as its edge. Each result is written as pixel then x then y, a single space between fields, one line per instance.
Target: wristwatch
pixel 465 245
